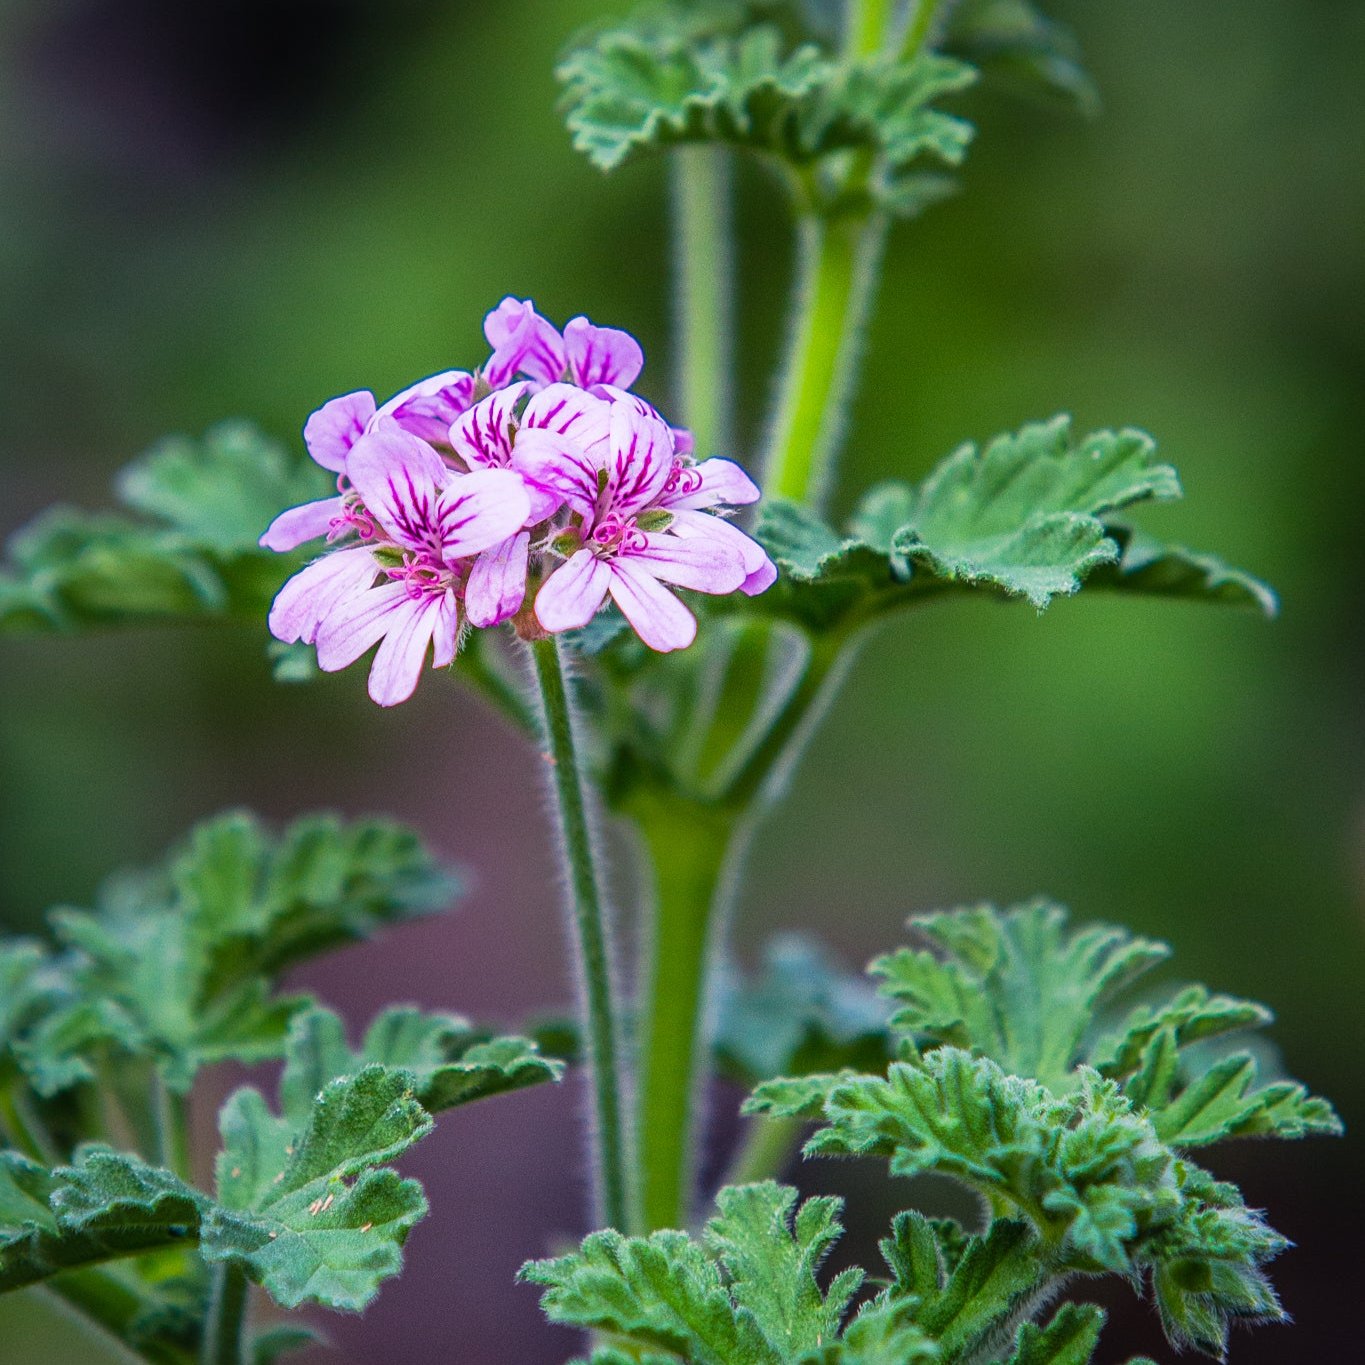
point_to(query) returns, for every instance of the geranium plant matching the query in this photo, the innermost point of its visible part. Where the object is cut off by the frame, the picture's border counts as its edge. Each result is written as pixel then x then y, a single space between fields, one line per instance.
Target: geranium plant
pixel 667 618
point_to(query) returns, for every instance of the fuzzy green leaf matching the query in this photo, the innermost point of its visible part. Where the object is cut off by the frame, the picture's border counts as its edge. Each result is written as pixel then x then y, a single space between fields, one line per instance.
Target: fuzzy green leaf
pixel 1029 517
pixel 666 79
pixel 801 1014
pixel 194 553
pixel 316 1215
pixel 177 961
pixel 1069 1338
pixel 451 1062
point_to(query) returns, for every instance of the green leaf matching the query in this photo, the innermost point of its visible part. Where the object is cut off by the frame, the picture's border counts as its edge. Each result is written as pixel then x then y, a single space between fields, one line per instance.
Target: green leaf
pixel 771 1259
pixel 801 1014
pixel 1069 1338
pixel 193 554
pixel 451 1062
pixel 277 1342
pixel 1018 985
pixel 1015 41
pixel 1030 517
pixel 667 80
pixel 316 1215
pixel 177 961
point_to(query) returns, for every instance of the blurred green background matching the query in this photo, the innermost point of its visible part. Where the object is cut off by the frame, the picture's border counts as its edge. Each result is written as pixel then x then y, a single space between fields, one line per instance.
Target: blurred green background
pixel 243 208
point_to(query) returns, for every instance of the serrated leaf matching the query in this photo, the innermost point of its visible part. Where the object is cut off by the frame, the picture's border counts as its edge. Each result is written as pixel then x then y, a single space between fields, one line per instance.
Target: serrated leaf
pixel 316 1215
pixel 800 1014
pixel 1069 1338
pixel 771 1258
pixel 1017 985
pixel 666 80
pixel 451 1063
pixel 194 555
pixel 1031 517
pixel 178 961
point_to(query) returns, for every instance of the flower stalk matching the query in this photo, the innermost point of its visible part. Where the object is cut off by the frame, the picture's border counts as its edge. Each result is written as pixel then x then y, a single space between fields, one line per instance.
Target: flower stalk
pixel 224 1330
pixel 601 1028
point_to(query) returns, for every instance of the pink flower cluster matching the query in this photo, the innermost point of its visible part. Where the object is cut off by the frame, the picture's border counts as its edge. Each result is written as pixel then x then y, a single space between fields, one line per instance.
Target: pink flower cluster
pixel 540 472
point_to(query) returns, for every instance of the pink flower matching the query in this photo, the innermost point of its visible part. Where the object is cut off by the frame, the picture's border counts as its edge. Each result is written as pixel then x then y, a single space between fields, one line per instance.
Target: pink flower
pixel 426 523
pixel 626 545
pixel 524 343
pixel 426 409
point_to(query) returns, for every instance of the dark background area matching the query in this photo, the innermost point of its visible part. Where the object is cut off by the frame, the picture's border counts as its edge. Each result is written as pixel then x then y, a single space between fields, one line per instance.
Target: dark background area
pixel 243 208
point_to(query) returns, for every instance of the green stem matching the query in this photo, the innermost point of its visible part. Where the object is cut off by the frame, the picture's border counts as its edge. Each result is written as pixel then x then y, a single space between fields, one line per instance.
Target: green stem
pixel 25 1129
pixel 100 1300
pixel 867 26
pixel 691 848
pixel 703 273
pixel 921 23
pixel 837 266
pixel 171 1112
pixel 224 1328
pixel 600 1024
pixel 765 1150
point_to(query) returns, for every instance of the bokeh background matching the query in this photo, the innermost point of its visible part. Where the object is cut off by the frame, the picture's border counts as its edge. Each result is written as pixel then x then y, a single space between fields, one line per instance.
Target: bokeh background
pixel 242 207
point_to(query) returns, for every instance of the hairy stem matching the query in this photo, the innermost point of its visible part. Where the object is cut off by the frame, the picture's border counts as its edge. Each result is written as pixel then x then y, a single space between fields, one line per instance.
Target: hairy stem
pixel 25 1129
pixel 224 1328
pixel 601 1029
pixel 171 1113
pixel 837 266
pixel 921 25
pixel 692 850
pixel 765 1149
pixel 703 275
pixel 867 26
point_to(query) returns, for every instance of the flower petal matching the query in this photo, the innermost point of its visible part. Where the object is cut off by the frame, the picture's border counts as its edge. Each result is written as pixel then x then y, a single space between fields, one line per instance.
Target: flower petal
pixel 293 528
pixel 497 582
pixel 760 573
pixel 476 511
pixel 572 594
pixel 482 437
pixel 310 596
pixel 569 412
pixel 398 661
pixel 641 458
pixel 712 483
pixel 659 619
pixel 399 478
pixel 556 468
pixel 427 408
pixel 523 342
pixel 602 355
pixel 357 622
pixel 705 564
pixel 336 426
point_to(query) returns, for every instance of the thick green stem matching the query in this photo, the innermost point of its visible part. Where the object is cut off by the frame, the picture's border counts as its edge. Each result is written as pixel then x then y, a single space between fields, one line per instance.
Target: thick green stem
pixel 765 1149
pixel 867 26
pixel 921 24
pixel 703 274
pixel 837 267
pixel 172 1114
pixel 225 1326
pixel 600 1027
pixel 692 850
pixel 25 1129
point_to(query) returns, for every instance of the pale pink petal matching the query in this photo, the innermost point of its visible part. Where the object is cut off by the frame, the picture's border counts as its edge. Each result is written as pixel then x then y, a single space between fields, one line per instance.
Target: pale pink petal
pixel 336 426
pixel 482 437
pixel 712 483
pixel 475 511
pixel 641 458
pixel 602 355
pixel 572 594
pixel 659 619
pixel 497 582
pixel 310 596
pixel 559 469
pixel 357 622
pixel 759 571
pixel 447 633
pixel 427 408
pixel 398 660
pixel 702 563
pixel 293 528
pixel 569 412
pixel 684 443
pixel 399 478
pixel 523 342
